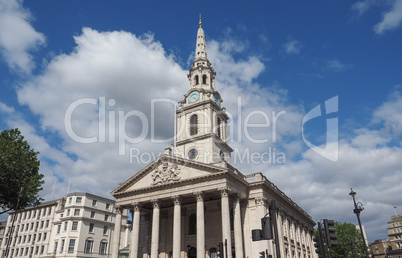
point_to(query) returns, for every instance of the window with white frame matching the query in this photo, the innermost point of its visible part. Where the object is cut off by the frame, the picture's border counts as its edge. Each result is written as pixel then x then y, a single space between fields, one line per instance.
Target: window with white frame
pixel 77 212
pixel 91 227
pixel 74 226
pixel 89 244
pixel 78 200
pixel 71 246
pixel 103 247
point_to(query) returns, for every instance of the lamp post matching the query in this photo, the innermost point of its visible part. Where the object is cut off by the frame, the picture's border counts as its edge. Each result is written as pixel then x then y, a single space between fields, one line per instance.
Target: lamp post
pixel 358 208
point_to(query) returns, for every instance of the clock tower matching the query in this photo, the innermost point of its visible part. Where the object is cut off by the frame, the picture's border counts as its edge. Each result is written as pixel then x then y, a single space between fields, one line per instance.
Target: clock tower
pixel 202 133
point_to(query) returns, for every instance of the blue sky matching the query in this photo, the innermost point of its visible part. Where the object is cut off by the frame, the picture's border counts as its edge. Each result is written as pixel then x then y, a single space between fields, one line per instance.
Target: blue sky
pixel 270 56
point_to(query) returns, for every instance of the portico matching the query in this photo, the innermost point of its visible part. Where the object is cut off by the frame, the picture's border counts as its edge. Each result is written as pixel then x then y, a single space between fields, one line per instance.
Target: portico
pixel 177 207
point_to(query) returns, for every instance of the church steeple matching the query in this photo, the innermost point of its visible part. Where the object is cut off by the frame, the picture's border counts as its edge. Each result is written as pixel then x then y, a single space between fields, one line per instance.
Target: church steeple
pixel 202 133
pixel 201 47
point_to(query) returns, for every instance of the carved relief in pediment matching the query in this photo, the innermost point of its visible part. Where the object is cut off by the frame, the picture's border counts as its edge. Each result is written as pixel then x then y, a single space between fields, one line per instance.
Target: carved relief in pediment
pixel 166 173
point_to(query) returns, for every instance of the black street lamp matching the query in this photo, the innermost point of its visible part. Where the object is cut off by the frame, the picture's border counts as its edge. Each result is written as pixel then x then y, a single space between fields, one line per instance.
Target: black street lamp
pixel 358 208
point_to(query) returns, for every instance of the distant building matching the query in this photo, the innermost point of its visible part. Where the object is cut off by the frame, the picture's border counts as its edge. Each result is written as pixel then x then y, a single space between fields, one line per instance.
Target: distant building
pixel 2 230
pixel 395 236
pixel 80 225
pixel 379 248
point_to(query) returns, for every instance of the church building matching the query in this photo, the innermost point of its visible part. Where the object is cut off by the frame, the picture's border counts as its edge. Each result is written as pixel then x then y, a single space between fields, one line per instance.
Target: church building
pixel 191 198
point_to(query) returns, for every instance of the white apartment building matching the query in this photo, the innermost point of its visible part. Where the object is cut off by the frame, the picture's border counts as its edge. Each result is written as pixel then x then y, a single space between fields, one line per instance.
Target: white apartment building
pixel 80 225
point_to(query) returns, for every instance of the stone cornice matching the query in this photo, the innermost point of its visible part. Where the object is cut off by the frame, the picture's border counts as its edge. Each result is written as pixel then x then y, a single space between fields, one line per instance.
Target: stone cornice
pixel 121 189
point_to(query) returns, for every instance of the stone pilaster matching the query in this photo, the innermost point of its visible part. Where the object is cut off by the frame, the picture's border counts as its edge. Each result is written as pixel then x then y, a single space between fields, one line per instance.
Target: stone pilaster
pixel 155 229
pixel 176 226
pixel 200 225
pixel 116 233
pixel 135 231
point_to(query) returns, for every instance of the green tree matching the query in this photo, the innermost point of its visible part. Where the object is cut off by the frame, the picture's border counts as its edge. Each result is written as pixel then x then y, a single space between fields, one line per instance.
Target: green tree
pixel 350 243
pixel 20 181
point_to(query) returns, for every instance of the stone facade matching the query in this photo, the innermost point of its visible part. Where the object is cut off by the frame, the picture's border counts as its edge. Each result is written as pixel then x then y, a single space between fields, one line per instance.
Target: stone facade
pixel 185 203
pixel 80 225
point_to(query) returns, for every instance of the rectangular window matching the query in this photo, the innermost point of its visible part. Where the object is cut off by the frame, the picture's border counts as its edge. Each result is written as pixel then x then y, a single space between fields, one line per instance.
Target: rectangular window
pixel 107 206
pixel 71 246
pixel 93 203
pixel 25 238
pixel 106 217
pixel 25 215
pixel 91 227
pixel 42 248
pixel 27 227
pixel 88 246
pixel 33 239
pixel 65 226
pixel 29 238
pixel 105 230
pixel 55 247
pixel 75 226
pixel 41 224
pixel 103 247
pixel 49 211
pixel 47 224
pixel 68 212
pixel 22 227
pixel 58 229
pixel 44 236
pixel 39 236
pixel 62 245
pixel 92 214
pixel 19 240
pixel 26 251
pixel 36 250
pixel 37 226
pixel 70 200
pixel 39 212
pixel 29 214
pixel 78 200
pixel 21 251
pixel 32 224
pixel 77 212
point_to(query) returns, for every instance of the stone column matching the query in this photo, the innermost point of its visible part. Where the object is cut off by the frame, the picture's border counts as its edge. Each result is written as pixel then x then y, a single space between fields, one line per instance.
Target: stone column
pixel 176 226
pixel 238 237
pixel 116 233
pixel 226 221
pixel 135 231
pixel 155 230
pixel 200 225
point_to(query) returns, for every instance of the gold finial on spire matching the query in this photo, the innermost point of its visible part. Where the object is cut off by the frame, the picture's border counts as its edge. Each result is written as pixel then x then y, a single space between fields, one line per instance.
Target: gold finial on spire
pixel 200 23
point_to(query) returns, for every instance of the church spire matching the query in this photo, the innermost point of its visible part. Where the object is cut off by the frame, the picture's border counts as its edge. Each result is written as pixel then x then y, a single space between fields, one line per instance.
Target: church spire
pixel 200 48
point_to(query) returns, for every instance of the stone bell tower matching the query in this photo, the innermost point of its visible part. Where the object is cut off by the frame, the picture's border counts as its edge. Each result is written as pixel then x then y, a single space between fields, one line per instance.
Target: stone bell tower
pixel 202 132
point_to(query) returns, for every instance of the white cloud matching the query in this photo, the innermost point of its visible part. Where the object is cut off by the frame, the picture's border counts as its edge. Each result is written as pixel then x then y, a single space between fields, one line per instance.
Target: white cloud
pixel 17 36
pixel 391 20
pixel 362 6
pixel 292 47
pixel 336 66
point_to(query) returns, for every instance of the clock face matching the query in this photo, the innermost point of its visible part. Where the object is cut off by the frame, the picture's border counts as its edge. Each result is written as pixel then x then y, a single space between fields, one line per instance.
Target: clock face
pixel 194 96
pixel 192 153
pixel 217 100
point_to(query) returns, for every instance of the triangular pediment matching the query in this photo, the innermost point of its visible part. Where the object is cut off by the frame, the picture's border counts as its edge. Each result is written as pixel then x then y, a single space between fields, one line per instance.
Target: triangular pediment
pixel 167 170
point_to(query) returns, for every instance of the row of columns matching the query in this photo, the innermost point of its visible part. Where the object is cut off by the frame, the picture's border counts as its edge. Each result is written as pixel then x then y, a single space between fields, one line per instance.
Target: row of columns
pixel 200 242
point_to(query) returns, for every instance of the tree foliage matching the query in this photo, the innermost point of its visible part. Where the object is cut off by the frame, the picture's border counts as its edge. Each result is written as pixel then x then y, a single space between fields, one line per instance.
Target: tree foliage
pixel 350 243
pixel 19 170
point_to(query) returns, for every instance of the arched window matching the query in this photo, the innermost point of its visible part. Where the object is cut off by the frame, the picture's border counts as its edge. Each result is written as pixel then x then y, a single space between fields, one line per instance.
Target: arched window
pixel 218 129
pixel 204 79
pixel 196 80
pixel 193 124
pixel 192 224
pixel 103 247
pixel 89 245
